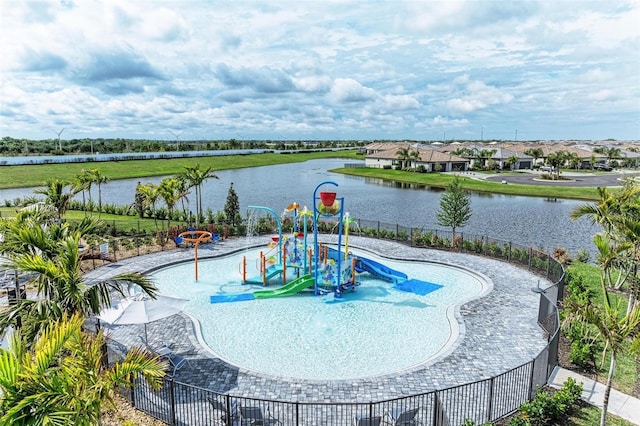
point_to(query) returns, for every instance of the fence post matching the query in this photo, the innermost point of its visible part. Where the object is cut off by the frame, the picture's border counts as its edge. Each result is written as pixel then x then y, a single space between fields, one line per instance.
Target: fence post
pixel 489 414
pixel 509 251
pixel 533 369
pixel 548 264
pixel 172 398
pixel 297 413
pixel 371 410
pixel 397 231
pixel 227 408
pixel 436 408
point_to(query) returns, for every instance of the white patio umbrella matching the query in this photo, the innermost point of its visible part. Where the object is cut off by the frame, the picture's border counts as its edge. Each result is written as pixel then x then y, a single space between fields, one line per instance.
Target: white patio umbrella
pixel 141 309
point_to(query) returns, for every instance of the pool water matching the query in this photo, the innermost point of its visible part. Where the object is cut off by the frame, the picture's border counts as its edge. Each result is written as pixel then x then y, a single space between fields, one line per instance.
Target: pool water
pixel 373 331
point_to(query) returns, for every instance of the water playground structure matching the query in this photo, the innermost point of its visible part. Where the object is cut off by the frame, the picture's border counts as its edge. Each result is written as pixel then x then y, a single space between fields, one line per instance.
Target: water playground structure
pixel 194 237
pixel 296 265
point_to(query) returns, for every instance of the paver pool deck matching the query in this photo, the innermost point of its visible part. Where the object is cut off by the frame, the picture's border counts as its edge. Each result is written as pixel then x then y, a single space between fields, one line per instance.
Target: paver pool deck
pixel 498 332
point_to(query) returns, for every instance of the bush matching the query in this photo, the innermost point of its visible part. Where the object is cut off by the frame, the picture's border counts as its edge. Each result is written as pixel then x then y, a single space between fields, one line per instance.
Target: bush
pixel 582 256
pixel 545 409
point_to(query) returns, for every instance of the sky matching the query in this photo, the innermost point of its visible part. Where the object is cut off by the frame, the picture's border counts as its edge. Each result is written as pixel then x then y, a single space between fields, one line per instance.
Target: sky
pixel 320 69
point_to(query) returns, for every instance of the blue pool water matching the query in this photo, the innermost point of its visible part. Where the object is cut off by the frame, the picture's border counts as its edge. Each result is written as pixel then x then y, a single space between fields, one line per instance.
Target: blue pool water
pixel 373 331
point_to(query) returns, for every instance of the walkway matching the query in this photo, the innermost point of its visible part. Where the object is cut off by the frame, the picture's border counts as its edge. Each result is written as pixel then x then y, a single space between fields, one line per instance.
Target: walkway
pixel 621 405
pixel 498 332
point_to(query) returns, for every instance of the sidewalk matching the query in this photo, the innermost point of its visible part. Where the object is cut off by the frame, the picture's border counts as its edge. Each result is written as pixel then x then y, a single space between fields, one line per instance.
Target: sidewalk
pixel 621 405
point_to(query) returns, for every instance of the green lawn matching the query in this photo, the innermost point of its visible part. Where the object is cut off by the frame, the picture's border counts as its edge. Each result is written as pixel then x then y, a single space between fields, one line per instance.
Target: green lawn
pixel 37 175
pixel 590 416
pixel 443 180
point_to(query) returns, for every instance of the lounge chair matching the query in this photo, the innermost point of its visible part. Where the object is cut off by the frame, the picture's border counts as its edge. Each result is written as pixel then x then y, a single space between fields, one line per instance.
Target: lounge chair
pixel 368 421
pixel 403 417
pixel 164 351
pixel 221 413
pixel 250 415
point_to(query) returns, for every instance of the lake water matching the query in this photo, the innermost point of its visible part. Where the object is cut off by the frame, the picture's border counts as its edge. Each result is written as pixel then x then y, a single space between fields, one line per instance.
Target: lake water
pixel 529 221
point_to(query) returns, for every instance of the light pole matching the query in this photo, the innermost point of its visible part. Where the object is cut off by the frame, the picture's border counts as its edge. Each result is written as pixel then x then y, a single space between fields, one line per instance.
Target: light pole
pixel 516 139
pixel 481 133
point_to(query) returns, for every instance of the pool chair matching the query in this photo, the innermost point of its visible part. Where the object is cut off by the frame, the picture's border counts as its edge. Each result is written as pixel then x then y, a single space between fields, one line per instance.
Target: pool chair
pixel 250 415
pixel 402 417
pixel 175 361
pixel 220 411
pixel 367 421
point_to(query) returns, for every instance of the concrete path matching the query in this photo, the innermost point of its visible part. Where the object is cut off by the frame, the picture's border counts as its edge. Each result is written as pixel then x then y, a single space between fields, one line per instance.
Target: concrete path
pixel 621 405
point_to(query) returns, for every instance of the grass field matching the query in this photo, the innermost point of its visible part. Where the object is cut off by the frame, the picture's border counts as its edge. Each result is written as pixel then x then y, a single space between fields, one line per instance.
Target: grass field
pixel 476 185
pixel 37 175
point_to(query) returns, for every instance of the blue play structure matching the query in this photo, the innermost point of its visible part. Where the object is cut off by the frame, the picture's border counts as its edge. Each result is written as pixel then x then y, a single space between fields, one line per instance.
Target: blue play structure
pixel 290 262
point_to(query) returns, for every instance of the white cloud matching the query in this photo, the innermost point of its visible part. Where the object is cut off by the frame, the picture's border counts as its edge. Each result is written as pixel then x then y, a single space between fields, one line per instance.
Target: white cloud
pixel 348 90
pixel 319 68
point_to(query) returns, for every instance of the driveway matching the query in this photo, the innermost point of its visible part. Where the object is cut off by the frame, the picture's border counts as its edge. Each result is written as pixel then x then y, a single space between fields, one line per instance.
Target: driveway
pixel 575 179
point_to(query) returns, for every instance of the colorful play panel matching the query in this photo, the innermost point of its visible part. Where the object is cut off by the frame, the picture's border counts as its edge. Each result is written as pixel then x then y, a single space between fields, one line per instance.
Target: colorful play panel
pixel 295 265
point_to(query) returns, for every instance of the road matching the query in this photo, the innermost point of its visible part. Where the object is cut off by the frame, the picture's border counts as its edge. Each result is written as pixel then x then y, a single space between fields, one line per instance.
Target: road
pixel 575 179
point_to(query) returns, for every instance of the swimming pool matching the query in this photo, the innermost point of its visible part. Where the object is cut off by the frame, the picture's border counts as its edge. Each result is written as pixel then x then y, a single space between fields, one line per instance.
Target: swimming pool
pixel 374 331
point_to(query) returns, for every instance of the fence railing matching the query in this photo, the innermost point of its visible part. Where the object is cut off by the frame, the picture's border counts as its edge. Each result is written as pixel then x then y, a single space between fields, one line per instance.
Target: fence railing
pixel 481 401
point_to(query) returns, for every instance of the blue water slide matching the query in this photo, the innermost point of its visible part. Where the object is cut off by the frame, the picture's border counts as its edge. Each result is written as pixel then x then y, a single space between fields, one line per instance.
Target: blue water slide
pixel 379 270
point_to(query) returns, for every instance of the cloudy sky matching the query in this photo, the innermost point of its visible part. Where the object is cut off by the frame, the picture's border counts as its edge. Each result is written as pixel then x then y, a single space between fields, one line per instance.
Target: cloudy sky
pixel 320 69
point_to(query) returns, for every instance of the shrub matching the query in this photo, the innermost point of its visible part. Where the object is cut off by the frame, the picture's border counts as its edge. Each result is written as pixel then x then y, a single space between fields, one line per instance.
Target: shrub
pixel 582 256
pixel 545 409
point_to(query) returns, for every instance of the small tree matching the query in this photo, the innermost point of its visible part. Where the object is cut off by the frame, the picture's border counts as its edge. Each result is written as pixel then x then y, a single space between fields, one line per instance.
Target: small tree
pixel 455 207
pixel 232 206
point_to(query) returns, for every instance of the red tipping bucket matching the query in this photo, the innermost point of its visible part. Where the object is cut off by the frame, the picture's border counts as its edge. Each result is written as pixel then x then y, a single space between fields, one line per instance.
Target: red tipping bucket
pixel 327 198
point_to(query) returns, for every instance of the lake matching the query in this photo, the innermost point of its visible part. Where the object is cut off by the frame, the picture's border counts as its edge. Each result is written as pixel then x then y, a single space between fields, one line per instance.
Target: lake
pixel 529 221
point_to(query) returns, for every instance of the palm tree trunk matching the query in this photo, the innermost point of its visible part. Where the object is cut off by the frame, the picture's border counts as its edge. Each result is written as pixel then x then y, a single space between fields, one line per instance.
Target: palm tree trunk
pixel 99 200
pixel 607 390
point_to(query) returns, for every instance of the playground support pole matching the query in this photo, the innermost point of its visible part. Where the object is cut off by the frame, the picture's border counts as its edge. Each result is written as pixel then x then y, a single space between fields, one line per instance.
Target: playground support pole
pixel 278 222
pixel 315 231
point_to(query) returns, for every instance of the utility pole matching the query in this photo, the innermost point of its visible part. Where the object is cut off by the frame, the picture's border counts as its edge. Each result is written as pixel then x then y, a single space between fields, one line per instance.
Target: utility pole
pixel 516 139
pixel 482 133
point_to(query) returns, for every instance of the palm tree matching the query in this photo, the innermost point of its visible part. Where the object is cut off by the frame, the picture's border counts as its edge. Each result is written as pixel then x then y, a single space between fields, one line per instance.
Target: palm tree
pixel 55 194
pixel 618 212
pixel 62 380
pixel 403 154
pixel 149 195
pixel 512 161
pixel 486 154
pixel 49 255
pixel 61 287
pixel 535 153
pixel 618 331
pixel 98 178
pixel 82 183
pixel 195 177
pixel 171 190
pixel 556 160
pixel 414 156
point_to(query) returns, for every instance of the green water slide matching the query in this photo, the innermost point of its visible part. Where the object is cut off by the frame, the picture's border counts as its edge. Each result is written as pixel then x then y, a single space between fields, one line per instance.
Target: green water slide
pixel 295 286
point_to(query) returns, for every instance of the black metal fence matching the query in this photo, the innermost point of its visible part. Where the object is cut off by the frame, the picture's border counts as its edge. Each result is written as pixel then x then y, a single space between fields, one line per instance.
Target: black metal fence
pixel 481 401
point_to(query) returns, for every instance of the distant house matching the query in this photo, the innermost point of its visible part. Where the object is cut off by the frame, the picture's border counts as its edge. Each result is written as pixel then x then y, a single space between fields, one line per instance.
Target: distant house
pixel 430 159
